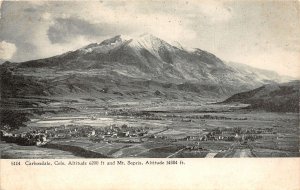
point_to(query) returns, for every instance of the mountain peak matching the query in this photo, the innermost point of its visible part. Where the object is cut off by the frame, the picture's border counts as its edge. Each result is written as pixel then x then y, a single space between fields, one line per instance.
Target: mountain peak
pixel 144 57
pixel 148 41
pixel 116 39
pixel 124 38
pixel 106 45
pixel 145 40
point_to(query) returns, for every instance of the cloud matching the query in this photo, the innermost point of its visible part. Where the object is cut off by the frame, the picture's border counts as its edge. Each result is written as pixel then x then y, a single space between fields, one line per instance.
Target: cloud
pixel 214 11
pixel 262 34
pixel 46 16
pixel 7 50
pixel 93 21
pixel 279 60
pixel 64 30
pixel 42 29
pixel 129 20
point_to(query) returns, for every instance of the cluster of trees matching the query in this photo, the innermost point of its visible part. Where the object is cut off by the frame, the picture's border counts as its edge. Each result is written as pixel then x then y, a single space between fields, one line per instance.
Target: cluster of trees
pixel 12 120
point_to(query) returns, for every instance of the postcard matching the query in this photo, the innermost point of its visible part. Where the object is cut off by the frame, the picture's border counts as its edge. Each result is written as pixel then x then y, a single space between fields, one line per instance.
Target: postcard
pixel 162 94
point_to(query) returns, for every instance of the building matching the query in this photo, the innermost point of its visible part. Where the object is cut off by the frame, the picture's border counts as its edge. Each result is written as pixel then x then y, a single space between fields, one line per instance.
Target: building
pixel 123 134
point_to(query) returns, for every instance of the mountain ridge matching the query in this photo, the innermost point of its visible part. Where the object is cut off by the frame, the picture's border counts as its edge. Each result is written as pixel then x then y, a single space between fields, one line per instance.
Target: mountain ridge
pixel 124 60
pixel 283 97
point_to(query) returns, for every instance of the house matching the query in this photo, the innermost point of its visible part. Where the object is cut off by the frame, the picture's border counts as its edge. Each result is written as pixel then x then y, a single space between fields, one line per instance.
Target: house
pixel 188 138
pixel 3 133
pixel 203 138
pixel 124 126
pixel 133 135
pixel 123 134
pixel 93 133
pixel 227 133
pixel 153 136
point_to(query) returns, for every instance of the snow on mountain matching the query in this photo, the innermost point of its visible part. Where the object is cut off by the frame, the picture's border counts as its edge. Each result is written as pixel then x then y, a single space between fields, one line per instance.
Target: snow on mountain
pixel 151 43
pixel 145 58
pixel 145 41
pixel 106 45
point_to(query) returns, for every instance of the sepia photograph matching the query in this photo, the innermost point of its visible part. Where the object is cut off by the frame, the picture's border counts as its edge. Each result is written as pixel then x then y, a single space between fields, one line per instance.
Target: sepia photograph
pixel 149 79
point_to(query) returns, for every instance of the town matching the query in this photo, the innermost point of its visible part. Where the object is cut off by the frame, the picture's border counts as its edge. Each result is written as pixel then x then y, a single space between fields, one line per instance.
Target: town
pixel 126 134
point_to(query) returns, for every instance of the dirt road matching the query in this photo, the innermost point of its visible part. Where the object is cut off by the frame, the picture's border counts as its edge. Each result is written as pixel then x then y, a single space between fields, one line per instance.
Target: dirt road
pixel 211 155
pixel 242 153
pixel 173 154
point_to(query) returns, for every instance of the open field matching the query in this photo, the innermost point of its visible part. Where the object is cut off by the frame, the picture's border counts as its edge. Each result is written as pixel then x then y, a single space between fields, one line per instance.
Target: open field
pixel 156 129
pixel 13 151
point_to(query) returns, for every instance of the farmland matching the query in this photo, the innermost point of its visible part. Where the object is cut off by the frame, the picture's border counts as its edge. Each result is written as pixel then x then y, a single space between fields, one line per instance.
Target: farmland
pixel 94 128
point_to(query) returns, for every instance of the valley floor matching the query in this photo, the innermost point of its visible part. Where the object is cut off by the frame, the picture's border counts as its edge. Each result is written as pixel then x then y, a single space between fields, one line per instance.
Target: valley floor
pixel 157 129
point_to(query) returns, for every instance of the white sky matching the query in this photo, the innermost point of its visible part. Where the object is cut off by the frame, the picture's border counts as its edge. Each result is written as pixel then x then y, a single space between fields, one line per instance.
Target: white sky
pixel 263 34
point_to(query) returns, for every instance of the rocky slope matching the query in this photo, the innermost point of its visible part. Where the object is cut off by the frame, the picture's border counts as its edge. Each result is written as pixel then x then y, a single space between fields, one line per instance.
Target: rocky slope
pixel 255 74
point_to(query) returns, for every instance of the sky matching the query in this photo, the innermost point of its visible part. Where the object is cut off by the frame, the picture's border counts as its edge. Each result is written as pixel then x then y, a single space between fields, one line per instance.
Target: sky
pixel 263 34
